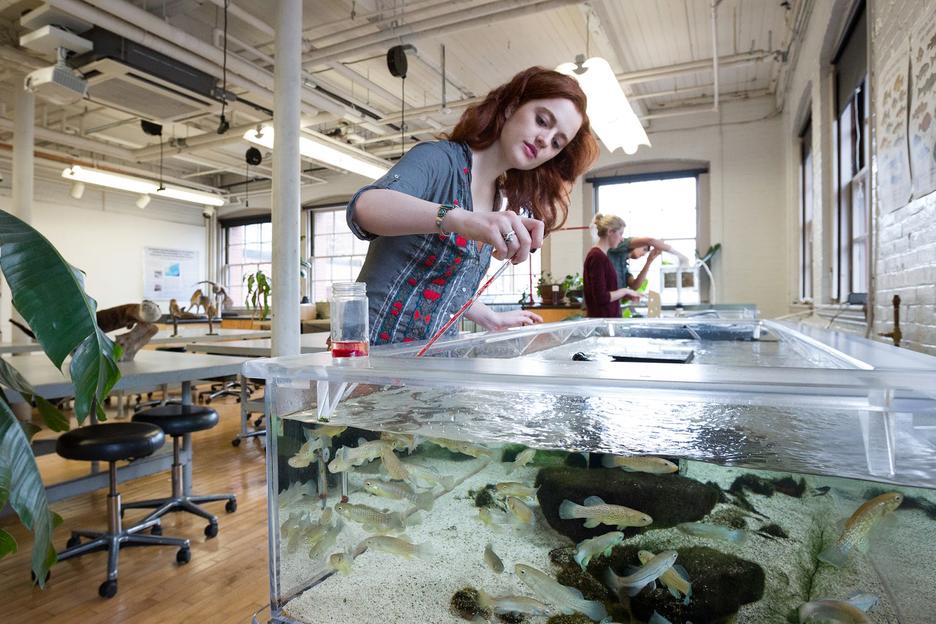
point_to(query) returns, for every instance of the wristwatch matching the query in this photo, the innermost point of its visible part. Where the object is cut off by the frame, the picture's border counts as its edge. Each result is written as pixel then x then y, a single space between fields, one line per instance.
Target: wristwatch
pixel 443 210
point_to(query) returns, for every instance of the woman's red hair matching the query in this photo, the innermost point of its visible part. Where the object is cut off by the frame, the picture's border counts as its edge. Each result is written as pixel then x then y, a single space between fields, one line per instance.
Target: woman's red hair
pixel 544 191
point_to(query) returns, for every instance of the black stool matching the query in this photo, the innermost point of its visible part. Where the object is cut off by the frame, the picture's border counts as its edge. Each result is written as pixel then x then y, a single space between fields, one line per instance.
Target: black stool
pixel 113 443
pixel 177 420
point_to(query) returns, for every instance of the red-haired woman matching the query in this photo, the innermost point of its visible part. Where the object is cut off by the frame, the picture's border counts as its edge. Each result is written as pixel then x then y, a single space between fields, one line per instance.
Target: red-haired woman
pixel 496 187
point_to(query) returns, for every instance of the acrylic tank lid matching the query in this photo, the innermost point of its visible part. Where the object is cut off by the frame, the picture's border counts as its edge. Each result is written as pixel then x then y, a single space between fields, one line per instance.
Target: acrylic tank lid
pixel 757 393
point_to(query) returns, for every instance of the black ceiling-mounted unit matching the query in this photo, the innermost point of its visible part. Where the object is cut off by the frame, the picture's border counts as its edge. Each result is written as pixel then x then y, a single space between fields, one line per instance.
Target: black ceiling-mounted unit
pixel 132 78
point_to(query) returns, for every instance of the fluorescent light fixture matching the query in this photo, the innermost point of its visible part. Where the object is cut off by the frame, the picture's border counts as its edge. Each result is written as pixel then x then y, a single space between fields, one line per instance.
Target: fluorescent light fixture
pixel 189 195
pixel 111 180
pixel 133 184
pixel 143 201
pixel 609 112
pixel 322 150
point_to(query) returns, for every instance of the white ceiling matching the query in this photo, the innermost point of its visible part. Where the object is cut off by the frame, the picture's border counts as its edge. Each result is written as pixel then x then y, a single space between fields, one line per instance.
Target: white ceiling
pixel 349 91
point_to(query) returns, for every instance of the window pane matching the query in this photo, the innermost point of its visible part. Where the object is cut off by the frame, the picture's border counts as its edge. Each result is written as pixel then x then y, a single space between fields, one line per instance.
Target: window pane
pixel 253 233
pixel 324 222
pixel 236 235
pixel 343 244
pixel 266 232
pixel 235 254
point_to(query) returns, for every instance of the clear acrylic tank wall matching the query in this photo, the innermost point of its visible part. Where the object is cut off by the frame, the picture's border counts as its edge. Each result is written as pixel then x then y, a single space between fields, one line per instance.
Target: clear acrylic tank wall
pixel 605 470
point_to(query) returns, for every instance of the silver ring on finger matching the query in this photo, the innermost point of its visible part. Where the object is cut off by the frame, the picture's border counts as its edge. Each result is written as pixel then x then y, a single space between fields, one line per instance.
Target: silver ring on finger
pixel 509 236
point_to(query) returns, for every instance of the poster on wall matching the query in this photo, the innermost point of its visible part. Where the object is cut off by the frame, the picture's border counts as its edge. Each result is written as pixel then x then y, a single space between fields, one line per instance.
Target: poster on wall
pixel 169 273
pixel 894 182
pixel 922 128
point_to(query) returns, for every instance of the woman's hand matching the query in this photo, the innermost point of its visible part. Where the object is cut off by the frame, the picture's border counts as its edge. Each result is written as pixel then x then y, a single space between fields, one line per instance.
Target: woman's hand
pixel 514 318
pixel 629 294
pixel 494 229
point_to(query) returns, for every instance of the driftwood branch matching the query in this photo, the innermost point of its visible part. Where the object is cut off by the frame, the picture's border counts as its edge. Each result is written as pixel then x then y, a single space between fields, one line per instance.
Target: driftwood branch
pixel 133 340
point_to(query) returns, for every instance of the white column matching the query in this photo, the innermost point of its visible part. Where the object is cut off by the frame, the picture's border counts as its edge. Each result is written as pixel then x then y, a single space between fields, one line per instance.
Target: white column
pixel 23 163
pixel 286 167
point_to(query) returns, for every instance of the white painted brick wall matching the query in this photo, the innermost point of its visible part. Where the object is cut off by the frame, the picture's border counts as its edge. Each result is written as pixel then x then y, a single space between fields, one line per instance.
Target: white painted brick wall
pixel 906 236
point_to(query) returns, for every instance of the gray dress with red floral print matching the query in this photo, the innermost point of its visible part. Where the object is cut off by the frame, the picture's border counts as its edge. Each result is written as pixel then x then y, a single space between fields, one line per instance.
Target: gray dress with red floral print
pixel 415 283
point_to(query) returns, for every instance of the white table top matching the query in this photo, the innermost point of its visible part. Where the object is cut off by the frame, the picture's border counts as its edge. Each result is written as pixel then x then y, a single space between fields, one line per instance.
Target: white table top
pixel 162 337
pixel 309 343
pixel 148 369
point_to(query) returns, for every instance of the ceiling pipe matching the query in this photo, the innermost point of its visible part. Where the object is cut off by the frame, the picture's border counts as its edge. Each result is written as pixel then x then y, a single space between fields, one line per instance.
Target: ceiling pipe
pixel 74 141
pixel 436 26
pixel 199 142
pixel 367 24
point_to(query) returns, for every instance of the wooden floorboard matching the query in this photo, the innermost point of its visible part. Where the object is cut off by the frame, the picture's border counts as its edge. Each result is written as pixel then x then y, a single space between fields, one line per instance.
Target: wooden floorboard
pixel 225 581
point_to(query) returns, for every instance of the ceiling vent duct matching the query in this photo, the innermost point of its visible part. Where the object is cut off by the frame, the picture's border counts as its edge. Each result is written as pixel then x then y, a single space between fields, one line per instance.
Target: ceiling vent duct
pixel 137 80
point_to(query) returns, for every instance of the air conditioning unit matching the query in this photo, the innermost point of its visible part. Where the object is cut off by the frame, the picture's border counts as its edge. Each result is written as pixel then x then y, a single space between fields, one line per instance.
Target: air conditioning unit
pixel 137 80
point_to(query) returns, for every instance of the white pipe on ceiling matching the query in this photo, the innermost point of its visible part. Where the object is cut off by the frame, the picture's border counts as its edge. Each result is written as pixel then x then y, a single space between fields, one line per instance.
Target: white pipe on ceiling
pixel 436 26
pixel 74 141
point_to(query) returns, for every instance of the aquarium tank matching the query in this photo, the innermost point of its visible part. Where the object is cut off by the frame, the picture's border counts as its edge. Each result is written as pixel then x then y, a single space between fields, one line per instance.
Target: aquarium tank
pixel 604 470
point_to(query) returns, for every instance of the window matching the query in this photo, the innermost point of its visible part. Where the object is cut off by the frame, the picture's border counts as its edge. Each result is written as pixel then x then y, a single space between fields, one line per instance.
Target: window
pixel 806 215
pixel 337 254
pixel 851 137
pixel 514 282
pixel 248 246
pixel 664 208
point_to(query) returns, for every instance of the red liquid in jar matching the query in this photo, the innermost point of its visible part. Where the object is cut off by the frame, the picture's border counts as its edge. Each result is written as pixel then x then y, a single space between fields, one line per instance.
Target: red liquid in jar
pixel 349 349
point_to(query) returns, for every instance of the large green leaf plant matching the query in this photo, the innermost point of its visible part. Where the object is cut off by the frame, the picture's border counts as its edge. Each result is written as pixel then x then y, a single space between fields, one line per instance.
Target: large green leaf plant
pixel 50 296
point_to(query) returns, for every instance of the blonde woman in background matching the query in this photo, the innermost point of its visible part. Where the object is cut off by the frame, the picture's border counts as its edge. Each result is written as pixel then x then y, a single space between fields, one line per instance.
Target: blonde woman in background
pixel 602 294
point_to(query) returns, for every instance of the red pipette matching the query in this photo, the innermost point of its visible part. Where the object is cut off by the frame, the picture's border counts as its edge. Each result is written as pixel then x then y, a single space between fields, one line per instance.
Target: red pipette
pixel 461 311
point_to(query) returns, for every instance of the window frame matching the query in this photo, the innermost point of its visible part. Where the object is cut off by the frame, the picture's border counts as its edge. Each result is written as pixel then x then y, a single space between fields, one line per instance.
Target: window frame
pixel 226 226
pixel 806 214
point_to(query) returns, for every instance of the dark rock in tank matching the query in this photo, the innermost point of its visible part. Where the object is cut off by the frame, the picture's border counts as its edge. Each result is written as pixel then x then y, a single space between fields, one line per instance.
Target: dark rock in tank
pixel 668 499
pixel 721 583
pixel 465 603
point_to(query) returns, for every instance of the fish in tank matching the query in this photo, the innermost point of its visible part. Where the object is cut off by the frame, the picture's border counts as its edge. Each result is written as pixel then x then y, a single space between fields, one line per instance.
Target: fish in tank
pixel 416 528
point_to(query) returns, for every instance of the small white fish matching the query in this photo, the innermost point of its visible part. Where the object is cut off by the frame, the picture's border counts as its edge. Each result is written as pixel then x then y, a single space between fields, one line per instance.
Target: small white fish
pixel 523 458
pixel 520 511
pixel 643 576
pixel 835 611
pixel 713 531
pixel 401 441
pixel 501 605
pixel 639 463
pixel 341 562
pixel 675 579
pixel 348 456
pixel 858 526
pixel 399 491
pixel 465 448
pixel 566 600
pixel 603 544
pixel 392 464
pixel 426 476
pixel 329 431
pixel 397 546
pixel 513 488
pixel 595 511
pixel 493 518
pixel 323 545
pixel 373 520
pixel 492 560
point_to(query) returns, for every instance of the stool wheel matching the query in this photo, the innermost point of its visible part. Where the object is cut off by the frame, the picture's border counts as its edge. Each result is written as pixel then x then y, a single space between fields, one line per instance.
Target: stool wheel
pixel 211 530
pixel 108 589
pixel 73 541
pixel 231 506
pixel 235 442
pixel 183 556
pixel 258 422
pixel 208 400
pixel 156 530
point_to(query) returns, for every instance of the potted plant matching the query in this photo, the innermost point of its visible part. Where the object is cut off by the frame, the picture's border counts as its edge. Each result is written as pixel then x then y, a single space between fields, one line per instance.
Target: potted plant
pixel 259 289
pixel 573 286
pixel 545 287
pixel 49 294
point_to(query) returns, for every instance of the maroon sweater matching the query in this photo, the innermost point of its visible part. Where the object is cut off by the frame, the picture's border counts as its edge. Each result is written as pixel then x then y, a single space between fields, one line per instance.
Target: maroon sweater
pixel 600 279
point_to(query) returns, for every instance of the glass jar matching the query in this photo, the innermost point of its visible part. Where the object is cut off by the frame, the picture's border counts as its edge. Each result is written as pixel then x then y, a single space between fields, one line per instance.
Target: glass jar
pixel 349 320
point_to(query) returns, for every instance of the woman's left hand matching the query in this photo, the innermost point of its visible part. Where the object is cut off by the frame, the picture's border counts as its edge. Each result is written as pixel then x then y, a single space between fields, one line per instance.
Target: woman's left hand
pixel 515 318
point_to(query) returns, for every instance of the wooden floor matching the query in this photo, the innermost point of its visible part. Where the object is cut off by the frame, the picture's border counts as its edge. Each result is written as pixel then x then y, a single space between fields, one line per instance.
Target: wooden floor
pixel 225 581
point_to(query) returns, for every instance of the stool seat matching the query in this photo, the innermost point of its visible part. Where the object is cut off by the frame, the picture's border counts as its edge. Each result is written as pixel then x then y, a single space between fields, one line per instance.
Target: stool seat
pixel 110 442
pixel 178 419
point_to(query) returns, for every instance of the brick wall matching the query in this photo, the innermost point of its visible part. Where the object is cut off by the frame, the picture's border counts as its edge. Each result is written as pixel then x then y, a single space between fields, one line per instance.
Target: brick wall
pixel 905 236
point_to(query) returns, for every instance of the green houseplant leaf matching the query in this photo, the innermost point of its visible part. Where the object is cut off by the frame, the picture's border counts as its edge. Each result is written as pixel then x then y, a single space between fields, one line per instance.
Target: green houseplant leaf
pixel 50 295
pixel 21 486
